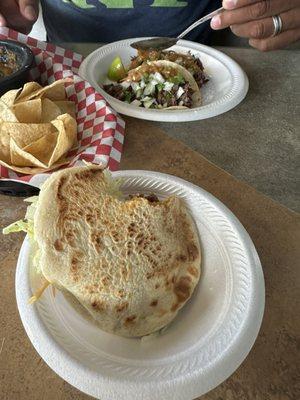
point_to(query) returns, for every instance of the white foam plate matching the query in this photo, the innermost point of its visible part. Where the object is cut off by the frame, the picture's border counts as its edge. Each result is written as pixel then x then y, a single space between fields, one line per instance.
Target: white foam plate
pixel 206 342
pixel 227 86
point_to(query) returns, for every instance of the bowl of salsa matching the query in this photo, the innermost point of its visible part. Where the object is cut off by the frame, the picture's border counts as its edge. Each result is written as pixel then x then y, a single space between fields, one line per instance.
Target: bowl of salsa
pixel 16 59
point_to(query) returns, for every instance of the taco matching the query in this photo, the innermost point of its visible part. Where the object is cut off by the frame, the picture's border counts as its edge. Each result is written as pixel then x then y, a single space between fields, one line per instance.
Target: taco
pixel 158 85
pixel 187 60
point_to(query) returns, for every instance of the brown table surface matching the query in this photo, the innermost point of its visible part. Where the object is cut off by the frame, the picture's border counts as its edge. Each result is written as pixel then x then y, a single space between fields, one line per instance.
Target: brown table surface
pixel 271 370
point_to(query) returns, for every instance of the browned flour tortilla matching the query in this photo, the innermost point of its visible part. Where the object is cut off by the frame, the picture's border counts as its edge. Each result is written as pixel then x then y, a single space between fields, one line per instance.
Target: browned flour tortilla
pixel 131 265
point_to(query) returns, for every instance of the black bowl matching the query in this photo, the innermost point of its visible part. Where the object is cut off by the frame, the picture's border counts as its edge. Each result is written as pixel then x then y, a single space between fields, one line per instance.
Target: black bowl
pixel 25 60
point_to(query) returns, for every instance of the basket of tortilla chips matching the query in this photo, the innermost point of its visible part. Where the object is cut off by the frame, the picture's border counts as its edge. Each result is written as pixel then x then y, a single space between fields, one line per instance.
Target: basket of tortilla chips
pixel 37 128
pixel 57 119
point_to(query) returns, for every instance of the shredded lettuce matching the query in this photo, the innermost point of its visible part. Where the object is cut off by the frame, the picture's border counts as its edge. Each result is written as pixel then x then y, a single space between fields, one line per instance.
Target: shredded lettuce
pixel 25 225
pixel 17 226
pixel 113 185
pixel 29 216
pixel 31 199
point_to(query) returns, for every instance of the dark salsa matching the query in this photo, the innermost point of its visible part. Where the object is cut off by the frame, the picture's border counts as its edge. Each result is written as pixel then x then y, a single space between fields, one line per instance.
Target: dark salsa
pixel 8 62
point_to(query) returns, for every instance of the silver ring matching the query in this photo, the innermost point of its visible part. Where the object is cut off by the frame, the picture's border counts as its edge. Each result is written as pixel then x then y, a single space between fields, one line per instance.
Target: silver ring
pixel 277 21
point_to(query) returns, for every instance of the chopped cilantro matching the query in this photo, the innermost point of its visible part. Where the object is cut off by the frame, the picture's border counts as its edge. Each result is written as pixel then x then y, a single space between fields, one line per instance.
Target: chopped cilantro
pixel 128 96
pixel 177 79
pixel 160 86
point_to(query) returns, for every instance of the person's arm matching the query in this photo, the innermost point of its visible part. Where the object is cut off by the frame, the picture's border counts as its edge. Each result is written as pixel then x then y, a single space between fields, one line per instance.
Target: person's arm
pixel 253 19
pixel 19 14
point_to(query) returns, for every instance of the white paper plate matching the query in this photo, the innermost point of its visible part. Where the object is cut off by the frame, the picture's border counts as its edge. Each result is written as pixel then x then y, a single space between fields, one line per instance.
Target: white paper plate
pixel 207 341
pixel 227 86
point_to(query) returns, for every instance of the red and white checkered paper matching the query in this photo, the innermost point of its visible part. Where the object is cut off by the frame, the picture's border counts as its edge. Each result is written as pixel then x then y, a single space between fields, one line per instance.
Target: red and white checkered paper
pixel 100 130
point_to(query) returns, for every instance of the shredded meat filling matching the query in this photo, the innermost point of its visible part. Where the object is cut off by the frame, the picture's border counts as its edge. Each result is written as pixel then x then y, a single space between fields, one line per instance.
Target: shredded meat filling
pixel 163 98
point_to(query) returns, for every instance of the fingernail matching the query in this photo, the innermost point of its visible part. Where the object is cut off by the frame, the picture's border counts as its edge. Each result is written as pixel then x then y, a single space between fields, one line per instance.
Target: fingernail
pixel 229 4
pixel 30 13
pixel 216 22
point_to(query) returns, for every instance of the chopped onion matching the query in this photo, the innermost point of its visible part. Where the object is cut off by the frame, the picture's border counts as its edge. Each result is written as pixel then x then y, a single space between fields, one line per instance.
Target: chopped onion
pixel 148 103
pixel 180 92
pixel 136 103
pixel 149 89
pixel 135 86
pixel 158 77
pixel 125 84
pixel 138 94
pixel 168 86
pixel 146 98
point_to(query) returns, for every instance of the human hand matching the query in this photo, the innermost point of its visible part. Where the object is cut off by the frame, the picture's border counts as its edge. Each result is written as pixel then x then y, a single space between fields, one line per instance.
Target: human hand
pixel 253 19
pixel 19 14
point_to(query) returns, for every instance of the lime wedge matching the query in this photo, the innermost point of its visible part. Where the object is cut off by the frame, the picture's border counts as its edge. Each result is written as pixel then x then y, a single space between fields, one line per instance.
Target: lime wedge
pixel 116 70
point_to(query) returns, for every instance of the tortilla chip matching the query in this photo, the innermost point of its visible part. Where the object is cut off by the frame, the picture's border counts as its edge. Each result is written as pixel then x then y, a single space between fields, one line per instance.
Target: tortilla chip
pixel 50 110
pixel 55 91
pixel 67 128
pixel 4 145
pixel 21 158
pixel 24 134
pixel 9 97
pixel 43 148
pixel 28 89
pixel 35 170
pixel 29 111
pixel 67 107
pixel 6 113
pixel 36 129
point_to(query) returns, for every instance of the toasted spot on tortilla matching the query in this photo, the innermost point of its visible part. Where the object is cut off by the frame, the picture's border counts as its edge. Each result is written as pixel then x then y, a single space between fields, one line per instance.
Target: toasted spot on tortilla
pixel 193 251
pixel 121 307
pixel 58 245
pixel 97 305
pixel 130 320
pixel 182 288
pixel 193 271
pixel 181 257
pixel 175 307
pixel 106 280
